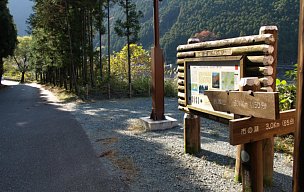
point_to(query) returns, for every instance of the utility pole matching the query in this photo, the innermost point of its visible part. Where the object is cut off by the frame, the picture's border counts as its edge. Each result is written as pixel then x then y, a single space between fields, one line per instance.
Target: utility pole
pixel 157 71
pixel 298 168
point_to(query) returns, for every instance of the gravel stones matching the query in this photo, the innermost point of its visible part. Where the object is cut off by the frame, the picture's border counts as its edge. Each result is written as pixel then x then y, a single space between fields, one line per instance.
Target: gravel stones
pixel 155 161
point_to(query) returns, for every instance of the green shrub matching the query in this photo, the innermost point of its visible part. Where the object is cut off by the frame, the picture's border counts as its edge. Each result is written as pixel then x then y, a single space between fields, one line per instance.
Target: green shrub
pixel 287 95
pixel 141 86
pixel 171 87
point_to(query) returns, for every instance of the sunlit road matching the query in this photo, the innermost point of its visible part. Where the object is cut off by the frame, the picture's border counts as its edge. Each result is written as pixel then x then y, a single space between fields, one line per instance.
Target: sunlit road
pixel 45 149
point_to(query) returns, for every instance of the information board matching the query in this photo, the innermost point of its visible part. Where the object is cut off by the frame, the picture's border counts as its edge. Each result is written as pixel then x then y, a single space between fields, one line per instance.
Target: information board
pixel 211 73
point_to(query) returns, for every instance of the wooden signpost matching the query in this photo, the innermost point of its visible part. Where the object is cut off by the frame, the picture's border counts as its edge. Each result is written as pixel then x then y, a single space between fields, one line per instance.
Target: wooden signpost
pixel 250 129
pixel 206 70
pixel 247 103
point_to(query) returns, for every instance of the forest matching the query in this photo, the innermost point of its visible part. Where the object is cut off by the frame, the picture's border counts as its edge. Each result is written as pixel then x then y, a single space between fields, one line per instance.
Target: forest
pixel 69 47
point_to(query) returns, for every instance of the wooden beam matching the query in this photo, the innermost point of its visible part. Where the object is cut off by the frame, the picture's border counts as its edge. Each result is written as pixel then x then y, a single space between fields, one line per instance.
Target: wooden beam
pixel 239 41
pixel 250 129
pixel 232 51
pixel 298 171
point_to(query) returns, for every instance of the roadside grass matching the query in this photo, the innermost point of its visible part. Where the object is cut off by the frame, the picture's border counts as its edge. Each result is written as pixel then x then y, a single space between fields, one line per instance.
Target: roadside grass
pixel 63 95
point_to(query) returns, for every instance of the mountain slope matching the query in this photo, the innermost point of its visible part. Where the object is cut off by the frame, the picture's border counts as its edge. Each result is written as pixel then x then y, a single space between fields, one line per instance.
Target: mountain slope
pixel 180 20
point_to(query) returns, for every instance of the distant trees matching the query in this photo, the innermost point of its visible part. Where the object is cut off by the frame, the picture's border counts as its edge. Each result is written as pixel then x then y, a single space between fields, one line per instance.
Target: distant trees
pixel 129 28
pixel 64 34
pixel 67 41
pixel 22 55
pixel 8 34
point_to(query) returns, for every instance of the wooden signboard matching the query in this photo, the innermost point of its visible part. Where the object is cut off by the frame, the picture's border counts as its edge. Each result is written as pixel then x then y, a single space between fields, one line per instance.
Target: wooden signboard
pixel 250 129
pixel 210 73
pixel 247 103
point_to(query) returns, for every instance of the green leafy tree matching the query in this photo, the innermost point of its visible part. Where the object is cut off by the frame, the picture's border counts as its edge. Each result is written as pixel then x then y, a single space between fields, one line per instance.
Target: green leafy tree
pixel 141 65
pixel 22 55
pixel 8 34
pixel 130 29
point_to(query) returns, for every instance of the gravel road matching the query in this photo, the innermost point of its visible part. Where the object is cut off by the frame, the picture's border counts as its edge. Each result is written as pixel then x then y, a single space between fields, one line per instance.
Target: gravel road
pixel 155 161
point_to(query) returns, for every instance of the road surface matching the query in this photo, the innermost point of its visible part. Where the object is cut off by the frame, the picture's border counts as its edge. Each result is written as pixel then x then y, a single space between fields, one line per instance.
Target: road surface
pixel 45 149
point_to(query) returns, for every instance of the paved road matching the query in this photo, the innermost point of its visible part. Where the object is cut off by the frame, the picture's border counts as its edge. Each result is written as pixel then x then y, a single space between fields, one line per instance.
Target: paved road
pixel 45 149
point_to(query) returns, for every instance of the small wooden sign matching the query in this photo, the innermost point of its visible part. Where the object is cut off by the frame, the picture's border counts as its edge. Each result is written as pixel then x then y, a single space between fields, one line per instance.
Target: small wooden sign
pixel 257 104
pixel 250 129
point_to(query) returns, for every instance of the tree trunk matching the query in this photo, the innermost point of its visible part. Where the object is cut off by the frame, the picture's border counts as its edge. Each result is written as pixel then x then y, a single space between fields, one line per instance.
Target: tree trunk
pixel 91 50
pixel 100 53
pixel 109 52
pixel 22 77
pixel 1 69
pixel 129 55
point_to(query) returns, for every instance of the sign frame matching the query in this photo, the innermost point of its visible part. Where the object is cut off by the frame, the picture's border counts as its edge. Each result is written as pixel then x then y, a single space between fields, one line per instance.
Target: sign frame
pixel 240 60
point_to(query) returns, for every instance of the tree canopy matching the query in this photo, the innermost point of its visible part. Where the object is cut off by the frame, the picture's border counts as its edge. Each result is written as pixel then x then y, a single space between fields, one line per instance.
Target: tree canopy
pixel 8 34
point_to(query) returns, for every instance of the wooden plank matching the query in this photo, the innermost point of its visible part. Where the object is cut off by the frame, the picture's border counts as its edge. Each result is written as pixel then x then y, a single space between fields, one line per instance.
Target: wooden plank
pixel 247 103
pixel 239 41
pixel 250 129
pixel 298 173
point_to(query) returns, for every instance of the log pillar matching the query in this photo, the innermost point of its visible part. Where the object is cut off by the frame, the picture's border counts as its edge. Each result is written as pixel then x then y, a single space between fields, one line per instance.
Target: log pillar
pixel 268 144
pixel 192 133
pixel 249 157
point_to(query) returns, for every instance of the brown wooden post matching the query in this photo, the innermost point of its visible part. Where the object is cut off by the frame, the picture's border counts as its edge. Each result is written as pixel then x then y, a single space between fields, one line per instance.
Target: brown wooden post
pixel 192 133
pixel 252 166
pixel 298 168
pixel 157 69
pixel 237 170
pixel 238 163
pixel 251 153
pixel 268 144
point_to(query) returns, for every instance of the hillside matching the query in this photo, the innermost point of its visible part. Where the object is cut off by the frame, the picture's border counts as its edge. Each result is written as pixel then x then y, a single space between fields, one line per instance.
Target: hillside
pixel 180 20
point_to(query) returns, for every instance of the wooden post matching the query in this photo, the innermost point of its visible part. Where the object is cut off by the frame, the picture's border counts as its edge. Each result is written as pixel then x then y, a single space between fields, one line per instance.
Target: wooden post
pixel 192 133
pixel 237 170
pixel 252 167
pixel 157 68
pixel 251 155
pixel 298 168
pixel 268 146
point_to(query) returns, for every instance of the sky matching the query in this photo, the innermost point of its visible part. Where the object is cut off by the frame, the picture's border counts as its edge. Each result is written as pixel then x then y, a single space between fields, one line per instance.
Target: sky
pixel 20 10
